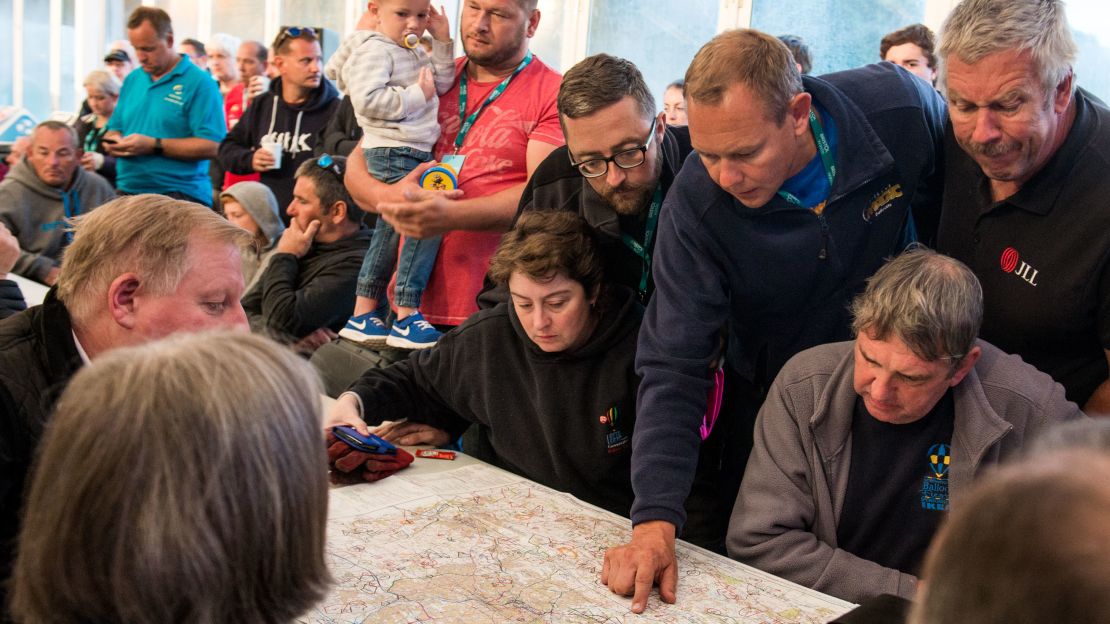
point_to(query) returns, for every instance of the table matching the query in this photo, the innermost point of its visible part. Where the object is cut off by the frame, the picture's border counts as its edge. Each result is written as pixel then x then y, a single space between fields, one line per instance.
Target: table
pixel 462 541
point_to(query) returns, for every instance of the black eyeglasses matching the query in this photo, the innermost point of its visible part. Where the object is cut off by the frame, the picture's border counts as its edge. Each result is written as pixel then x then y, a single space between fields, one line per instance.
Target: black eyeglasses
pixel 293 32
pixel 330 164
pixel 626 159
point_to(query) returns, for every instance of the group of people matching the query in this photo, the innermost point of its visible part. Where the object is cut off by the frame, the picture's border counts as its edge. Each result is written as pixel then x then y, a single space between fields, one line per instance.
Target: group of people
pixel 732 322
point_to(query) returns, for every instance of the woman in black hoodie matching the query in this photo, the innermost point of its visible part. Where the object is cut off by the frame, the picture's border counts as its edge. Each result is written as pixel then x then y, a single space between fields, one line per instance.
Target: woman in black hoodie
pixel 548 375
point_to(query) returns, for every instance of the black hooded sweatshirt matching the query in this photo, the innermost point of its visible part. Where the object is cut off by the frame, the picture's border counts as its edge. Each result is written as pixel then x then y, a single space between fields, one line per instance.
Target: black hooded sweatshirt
pixel 549 416
pixel 269 119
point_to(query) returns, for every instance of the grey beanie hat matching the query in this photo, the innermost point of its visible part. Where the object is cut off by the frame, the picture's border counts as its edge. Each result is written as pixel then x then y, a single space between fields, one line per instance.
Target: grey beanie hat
pixel 259 201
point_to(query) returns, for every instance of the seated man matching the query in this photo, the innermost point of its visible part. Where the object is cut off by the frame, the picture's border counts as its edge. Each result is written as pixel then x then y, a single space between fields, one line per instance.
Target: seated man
pixel 1031 541
pixel 860 444
pixel 549 374
pixel 139 268
pixel 42 191
pixel 309 283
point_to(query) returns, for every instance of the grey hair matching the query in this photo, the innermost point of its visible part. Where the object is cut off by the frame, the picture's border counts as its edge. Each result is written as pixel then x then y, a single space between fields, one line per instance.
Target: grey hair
pixel 55 125
pixel 978 28
pixel 103 81
pixel 932 303
pixel 195 489
pixel 599 81
pixel 223 41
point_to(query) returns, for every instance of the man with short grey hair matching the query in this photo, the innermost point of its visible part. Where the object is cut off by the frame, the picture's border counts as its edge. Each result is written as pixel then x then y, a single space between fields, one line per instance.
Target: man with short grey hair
pixel 41 192
pixel 860 445
pixel 1027 171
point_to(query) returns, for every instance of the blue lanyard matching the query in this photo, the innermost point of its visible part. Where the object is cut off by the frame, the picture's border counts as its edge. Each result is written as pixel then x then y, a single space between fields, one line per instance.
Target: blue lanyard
pixel 644 250
pixel 824 150
pixel 468 121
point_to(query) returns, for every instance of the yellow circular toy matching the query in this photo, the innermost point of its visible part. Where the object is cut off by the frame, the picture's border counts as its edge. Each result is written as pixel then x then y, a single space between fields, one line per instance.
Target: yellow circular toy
pixel 440 178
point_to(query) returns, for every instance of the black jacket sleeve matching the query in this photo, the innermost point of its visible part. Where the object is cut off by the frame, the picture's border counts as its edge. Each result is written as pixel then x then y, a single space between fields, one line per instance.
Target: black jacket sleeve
pixel 342 134
pixel 238 147
pixel 411 389
pixel 277 304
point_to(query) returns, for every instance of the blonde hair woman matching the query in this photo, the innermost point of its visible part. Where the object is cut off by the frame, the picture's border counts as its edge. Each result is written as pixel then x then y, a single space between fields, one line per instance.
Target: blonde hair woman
pixel 180 481
pixel 102 89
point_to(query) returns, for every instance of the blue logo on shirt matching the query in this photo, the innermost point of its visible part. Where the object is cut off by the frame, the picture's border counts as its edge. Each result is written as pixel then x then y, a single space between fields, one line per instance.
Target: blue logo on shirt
pixel 934 489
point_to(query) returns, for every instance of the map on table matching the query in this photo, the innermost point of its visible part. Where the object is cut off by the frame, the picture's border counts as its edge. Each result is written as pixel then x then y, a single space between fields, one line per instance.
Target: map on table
pixel 478 545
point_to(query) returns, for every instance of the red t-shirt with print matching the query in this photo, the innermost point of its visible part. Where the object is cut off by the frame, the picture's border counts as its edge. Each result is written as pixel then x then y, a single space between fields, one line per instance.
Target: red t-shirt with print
pixel 496 158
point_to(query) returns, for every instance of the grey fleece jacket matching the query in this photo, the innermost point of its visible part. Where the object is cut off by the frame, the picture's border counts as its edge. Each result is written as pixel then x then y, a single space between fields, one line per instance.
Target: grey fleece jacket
pixel 786 514
pixel 35 212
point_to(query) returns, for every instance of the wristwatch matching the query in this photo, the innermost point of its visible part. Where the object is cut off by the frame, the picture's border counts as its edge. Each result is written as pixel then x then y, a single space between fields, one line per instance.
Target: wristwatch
pixel 158 146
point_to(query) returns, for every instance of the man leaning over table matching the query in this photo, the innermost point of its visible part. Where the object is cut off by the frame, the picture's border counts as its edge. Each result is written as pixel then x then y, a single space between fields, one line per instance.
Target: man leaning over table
pixel 861 445
pixel 802 187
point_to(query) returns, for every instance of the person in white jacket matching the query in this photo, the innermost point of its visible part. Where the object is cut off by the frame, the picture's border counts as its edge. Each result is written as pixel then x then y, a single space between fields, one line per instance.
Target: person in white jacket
pixel 393 85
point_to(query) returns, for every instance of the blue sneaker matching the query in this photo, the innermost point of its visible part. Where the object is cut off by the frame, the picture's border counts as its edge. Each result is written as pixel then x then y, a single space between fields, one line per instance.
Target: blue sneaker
pixel 413 333
pixel 365 329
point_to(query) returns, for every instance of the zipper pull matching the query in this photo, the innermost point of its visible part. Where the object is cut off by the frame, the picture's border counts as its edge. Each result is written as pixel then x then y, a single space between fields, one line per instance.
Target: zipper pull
pixel 824 253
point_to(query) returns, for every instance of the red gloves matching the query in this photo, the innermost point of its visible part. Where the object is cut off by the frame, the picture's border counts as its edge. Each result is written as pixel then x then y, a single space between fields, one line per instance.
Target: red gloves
pixel 350 465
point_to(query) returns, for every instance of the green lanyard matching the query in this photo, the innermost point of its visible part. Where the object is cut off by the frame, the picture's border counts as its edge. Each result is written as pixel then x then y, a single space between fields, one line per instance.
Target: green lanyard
pixel 467 122
pixel 826 157
pixel 93 137
pixel 644 250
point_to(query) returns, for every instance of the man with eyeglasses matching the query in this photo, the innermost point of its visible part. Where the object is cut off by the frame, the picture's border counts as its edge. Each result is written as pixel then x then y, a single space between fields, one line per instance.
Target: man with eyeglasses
pixel 306 291
pixel 169 120
pixel 281 126
pixel 619 161
pixel 803 186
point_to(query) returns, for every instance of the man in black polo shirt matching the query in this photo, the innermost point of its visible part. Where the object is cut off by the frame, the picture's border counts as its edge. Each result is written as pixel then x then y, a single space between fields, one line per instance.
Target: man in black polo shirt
pixel 861 444
pixel 1027 176
pixel 619 160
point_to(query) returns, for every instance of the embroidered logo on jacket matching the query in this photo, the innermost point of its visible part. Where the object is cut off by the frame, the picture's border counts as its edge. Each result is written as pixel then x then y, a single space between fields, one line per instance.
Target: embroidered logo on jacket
pixel 882 200
pixel 1011 262
pixel 615 440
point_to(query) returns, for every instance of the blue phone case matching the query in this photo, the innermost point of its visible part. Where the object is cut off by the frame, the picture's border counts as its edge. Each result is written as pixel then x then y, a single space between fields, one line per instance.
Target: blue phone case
pixel 365 443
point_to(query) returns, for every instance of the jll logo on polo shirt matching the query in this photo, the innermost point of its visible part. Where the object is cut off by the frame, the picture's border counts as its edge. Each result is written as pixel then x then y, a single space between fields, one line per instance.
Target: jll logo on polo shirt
pixel 1012 263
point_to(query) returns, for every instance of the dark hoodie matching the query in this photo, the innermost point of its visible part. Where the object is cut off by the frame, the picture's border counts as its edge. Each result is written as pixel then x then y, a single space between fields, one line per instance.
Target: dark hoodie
pixel 296 296
pixel 270 119
pixel 542 411
pixel 35 212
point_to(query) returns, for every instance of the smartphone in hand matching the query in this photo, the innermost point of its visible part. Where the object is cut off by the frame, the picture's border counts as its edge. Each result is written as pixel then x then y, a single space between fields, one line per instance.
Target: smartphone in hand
pixel 366 443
